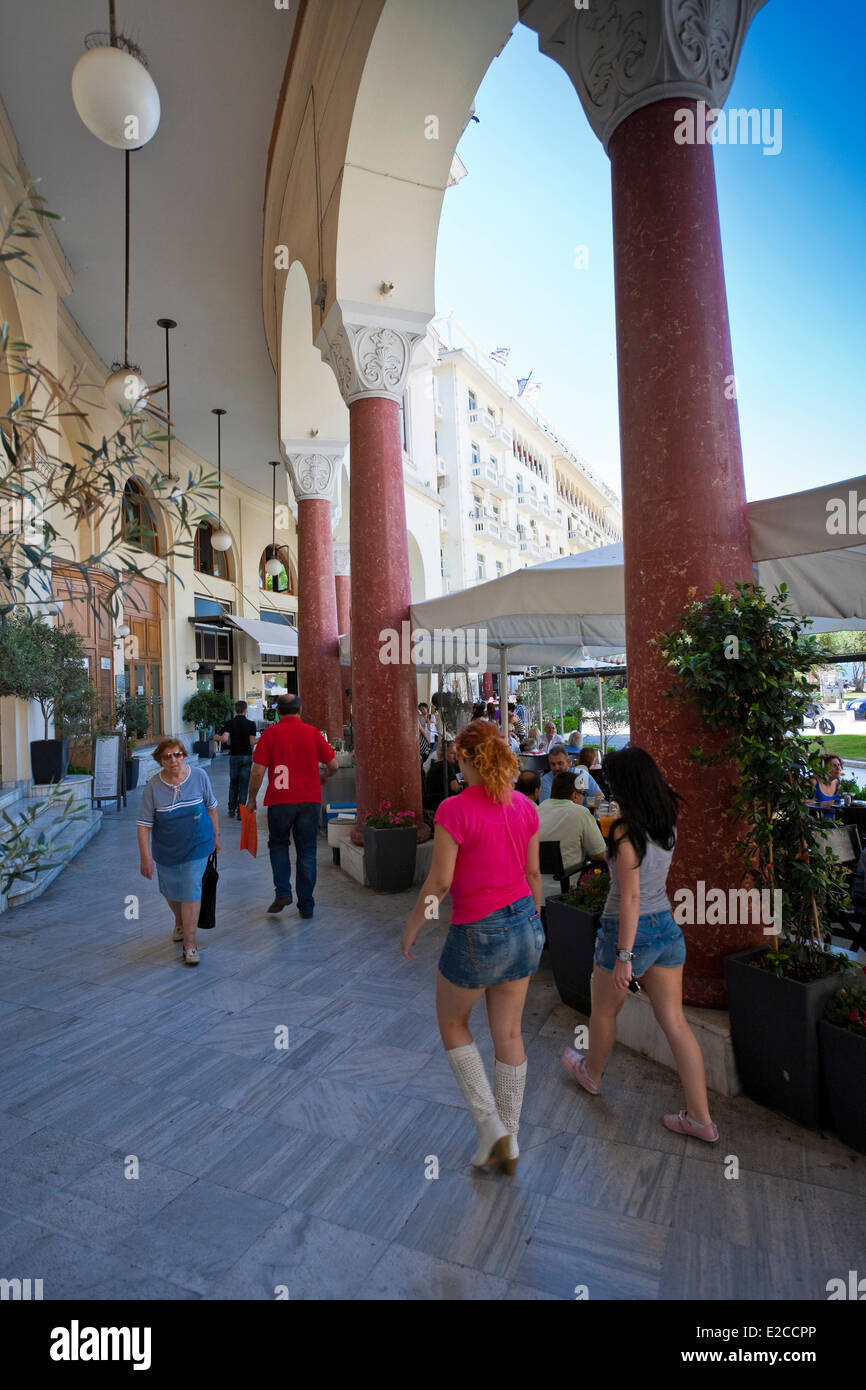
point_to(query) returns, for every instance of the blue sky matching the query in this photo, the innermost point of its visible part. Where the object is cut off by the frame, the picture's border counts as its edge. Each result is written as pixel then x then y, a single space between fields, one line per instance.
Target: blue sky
pixel 792 236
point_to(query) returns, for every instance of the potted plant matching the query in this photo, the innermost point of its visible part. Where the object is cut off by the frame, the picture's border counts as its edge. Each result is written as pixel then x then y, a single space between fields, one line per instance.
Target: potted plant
pixel 842 1040
pixel 48 665
pixel 742 659
pixel 207 710
pixel 133 717
pixel 571 922
pixel 390 841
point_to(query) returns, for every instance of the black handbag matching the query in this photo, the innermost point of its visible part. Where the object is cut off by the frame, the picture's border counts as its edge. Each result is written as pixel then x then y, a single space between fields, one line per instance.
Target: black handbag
pixel 209 881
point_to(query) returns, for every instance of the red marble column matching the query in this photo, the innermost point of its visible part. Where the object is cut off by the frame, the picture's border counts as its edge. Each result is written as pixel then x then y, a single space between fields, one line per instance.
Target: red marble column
pixel 682 476
pixel 384 694
pixel 319 676
pixel 343 584
pixel 487 685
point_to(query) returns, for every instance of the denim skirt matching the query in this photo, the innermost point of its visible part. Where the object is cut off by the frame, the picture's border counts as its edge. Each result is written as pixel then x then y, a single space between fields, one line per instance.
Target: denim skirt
pixel 181 883
pixel 658 941
pixel 505 945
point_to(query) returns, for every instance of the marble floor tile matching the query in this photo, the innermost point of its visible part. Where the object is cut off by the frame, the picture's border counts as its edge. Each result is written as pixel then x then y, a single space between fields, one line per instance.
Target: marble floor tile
pixel 403 1274
pixel 622 1178
pixel 313 1259
pixel 72 1270
pixel 612 1257
pixel 364 1065
pixel 481 1222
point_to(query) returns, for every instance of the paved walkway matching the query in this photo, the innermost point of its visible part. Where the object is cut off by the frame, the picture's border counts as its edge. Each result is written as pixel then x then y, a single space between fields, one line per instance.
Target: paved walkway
pixel 307 1166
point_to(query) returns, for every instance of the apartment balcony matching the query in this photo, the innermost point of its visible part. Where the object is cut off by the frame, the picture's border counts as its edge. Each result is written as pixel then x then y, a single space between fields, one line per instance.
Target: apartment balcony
pixel 486 475
pixel 504 433
pixel 509 535
pixel 509 487
pixel 528 499
pixel 483 422
pixel 488 528
pixel 531 548
pixel 503 487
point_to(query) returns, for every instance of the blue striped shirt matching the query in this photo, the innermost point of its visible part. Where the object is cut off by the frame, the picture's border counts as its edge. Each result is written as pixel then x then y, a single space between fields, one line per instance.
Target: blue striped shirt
pixel 178 817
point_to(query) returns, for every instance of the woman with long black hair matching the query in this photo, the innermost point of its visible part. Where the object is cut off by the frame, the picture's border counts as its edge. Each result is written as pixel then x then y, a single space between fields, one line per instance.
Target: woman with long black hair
pixel 639 938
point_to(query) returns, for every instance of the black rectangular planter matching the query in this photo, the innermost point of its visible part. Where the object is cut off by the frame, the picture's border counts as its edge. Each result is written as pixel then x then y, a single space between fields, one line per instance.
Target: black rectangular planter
pixel 843 1060
pixel 49 759
pixel 389 858
pixel 571 940
pixel 774 1029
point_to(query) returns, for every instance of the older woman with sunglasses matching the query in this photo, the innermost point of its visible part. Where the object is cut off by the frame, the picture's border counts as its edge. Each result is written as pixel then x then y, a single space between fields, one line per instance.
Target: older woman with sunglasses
pixel 178 828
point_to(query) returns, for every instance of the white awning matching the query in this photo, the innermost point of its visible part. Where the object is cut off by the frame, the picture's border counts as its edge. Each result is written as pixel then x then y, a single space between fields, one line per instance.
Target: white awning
pixel 273 639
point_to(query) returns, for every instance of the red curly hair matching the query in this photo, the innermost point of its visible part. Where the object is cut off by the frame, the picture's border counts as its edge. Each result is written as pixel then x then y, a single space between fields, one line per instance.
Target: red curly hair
pixel 481 744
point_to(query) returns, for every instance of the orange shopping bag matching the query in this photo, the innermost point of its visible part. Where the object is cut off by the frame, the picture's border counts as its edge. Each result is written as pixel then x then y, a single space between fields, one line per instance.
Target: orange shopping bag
pixel 249 831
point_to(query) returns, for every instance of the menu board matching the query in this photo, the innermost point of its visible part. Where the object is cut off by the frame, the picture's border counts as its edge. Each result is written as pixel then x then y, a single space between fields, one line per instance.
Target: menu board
pixel 108 768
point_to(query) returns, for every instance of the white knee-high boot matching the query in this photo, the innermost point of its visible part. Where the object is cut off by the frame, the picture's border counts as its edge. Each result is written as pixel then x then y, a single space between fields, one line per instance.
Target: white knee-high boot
pixel 468 1068
pixel 509 1083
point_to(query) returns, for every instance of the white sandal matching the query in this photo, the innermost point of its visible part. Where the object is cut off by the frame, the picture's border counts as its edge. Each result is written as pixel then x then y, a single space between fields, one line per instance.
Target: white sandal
pixel 190 957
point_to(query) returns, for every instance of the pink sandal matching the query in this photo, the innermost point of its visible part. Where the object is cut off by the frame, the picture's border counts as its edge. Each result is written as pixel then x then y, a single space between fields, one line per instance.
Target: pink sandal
pixel 575 1065
pixel 683 1124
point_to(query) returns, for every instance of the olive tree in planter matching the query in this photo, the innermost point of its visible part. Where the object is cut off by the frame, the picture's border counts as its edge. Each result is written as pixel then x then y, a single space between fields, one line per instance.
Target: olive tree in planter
pixel 132 715
pixel 742 660
pixel 571 923
pixel 207 710
pixel 390 843
pixel 48 665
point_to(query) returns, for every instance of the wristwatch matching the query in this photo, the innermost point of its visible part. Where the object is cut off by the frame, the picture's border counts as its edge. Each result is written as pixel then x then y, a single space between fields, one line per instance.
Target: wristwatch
pixel 624 955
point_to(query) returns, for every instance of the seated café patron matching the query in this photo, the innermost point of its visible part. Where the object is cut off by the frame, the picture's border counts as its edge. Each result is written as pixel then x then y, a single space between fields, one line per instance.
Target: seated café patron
pixel 561 817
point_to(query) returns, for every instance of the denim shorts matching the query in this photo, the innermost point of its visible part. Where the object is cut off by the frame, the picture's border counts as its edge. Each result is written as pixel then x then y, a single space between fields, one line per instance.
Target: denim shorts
pixel 505 945
pixel 181 883
pixel 658 941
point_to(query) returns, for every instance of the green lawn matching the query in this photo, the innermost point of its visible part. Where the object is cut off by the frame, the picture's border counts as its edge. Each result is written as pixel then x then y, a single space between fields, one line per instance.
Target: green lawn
pixel 846 745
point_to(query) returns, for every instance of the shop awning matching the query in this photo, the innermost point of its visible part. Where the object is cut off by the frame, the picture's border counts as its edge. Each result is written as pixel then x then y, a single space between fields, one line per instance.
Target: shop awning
pixel 273 639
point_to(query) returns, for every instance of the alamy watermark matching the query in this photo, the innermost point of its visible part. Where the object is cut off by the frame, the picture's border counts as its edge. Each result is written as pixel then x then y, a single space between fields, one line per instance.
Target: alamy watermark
pixel 463 648
pixel 720 907
pixel 711 125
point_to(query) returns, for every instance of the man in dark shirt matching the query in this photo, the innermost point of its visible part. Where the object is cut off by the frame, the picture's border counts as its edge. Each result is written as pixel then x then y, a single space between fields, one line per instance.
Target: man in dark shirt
pixel 240 735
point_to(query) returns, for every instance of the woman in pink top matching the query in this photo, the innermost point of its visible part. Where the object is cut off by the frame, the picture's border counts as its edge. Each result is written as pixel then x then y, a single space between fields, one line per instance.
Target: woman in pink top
pixel 485 853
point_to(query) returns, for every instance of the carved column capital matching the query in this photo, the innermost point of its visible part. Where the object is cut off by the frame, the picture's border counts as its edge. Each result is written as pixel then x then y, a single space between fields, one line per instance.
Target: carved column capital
pixel 625 54
pixel 342 564
pixel 369 349
pixel 314 468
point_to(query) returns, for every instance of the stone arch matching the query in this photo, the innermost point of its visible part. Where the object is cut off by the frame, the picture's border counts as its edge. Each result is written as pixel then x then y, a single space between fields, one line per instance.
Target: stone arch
pixel 417 572
pixel 310 402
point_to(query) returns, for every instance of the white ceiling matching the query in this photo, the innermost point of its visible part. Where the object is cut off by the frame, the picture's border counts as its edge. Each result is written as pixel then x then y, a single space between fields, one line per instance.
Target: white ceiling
pixel 197 196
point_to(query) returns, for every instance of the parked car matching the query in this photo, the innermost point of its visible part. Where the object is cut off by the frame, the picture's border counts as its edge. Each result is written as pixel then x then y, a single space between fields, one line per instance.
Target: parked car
pixel 857 707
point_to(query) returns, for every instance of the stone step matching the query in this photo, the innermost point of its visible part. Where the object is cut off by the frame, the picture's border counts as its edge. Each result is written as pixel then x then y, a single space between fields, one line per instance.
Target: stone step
pixel 77 835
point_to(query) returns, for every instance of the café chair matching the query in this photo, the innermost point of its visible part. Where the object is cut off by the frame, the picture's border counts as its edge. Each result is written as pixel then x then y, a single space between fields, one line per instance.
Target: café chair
pixel 550 862
pixel 844 843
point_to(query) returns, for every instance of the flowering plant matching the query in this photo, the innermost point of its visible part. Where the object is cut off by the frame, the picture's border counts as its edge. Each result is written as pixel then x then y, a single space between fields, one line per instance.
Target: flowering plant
pixel 847 1009
pixel 386 819
pixel 591 891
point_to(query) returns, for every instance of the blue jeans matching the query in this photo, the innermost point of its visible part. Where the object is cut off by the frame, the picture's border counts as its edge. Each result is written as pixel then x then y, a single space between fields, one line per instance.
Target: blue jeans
pixel 302 822
pixel 658 941
pixel 239 780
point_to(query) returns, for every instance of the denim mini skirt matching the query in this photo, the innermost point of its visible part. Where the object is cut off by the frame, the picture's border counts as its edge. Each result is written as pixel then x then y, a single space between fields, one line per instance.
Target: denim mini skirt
pixel 658 941
pixel 505 945
pixel 181 883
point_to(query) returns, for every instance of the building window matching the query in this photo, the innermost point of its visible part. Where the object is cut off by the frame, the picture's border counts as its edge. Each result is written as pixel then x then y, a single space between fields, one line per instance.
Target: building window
pixel 138 522
pixel 473 402
pixel 479 567
pixel 500 569
pixel 476 507
pixel 476 456
pixel 282 583
pixel 208 560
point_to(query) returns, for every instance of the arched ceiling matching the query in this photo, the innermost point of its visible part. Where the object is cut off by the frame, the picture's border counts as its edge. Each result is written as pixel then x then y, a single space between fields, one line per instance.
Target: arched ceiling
pixel 197 197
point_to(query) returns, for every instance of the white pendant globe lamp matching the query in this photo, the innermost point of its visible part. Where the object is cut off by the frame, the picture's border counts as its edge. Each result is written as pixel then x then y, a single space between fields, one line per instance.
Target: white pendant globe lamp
pixel 126 389
pixel 274 565
pixel 220 539
pixel 113 92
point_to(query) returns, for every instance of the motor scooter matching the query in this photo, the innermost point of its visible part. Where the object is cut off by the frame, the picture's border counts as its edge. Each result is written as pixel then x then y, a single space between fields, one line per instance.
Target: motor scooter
pixel 815 718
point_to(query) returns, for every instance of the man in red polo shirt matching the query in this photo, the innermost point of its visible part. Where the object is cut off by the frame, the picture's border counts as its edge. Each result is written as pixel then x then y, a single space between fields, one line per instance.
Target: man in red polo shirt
pixel 291 752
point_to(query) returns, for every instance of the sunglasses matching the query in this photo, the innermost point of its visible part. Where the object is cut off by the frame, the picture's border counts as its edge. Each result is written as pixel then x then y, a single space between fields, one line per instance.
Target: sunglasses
pixel 166 756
